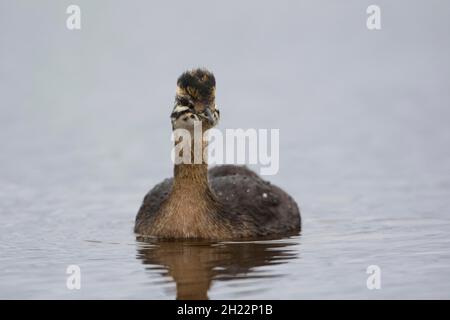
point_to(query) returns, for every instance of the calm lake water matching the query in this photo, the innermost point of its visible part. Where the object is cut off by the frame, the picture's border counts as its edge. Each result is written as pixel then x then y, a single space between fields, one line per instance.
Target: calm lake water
pixel 364 147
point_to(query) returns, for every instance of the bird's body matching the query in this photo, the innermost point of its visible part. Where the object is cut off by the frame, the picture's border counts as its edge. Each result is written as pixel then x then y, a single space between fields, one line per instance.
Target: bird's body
pixel 239 204
pixel 226 202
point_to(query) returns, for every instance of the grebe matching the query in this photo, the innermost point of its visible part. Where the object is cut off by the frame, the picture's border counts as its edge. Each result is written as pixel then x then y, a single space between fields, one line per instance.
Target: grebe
pixel 227 202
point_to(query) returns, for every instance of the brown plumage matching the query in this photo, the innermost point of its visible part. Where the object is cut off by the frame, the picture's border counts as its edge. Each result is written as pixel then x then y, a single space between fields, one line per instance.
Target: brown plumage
pixel 226 202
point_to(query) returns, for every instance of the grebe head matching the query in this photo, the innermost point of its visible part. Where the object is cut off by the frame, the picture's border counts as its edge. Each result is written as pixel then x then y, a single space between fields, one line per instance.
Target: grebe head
pixel 195 100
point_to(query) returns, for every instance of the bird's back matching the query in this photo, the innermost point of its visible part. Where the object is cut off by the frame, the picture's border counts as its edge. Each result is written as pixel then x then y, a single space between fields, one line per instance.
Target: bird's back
pixel 263 208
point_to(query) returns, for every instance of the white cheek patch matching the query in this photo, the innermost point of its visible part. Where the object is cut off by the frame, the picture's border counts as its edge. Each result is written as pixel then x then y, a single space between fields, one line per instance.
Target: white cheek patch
pixel 185 121
pixel 216 116
pixel 179 108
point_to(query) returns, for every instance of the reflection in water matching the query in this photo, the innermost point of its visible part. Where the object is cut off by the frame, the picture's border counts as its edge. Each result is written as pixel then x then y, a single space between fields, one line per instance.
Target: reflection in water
pixel 194 265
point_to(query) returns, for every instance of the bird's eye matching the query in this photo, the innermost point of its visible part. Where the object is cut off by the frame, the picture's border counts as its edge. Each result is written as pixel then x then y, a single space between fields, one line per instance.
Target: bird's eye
pixel 184 102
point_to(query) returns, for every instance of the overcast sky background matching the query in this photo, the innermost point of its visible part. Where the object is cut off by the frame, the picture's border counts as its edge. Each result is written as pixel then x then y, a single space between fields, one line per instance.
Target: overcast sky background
pixel 311 69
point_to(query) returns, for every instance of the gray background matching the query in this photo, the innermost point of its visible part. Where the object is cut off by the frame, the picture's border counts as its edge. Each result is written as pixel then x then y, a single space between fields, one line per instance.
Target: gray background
pixel 363 118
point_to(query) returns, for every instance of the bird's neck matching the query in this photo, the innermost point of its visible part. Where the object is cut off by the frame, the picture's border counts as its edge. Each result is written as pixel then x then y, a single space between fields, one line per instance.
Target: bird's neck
pixel 189 212
pixel 191 175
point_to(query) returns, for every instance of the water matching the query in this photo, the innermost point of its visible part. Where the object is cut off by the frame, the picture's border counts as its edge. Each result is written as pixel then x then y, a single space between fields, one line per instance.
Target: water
pixel 364 133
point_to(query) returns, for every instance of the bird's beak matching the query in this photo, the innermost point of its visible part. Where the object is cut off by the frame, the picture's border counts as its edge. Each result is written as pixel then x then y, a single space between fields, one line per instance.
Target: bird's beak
pixel 209 116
